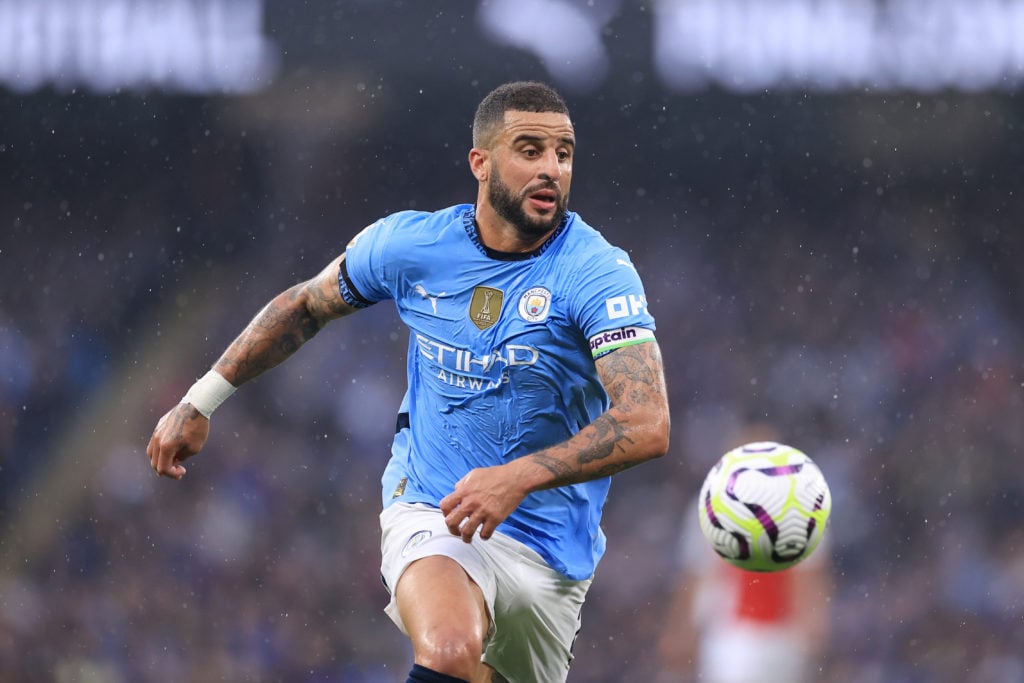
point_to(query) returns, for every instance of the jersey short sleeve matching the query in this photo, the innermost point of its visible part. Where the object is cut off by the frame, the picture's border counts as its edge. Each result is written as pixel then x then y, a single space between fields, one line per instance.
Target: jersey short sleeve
pixel 363 278
pixel 610 304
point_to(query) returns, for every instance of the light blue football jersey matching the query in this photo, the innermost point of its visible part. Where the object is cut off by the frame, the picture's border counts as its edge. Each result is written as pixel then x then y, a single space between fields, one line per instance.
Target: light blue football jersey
pixel 501 359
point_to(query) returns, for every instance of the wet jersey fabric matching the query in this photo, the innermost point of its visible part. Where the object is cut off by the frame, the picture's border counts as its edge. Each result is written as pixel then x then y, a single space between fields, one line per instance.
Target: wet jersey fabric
pixel 501 359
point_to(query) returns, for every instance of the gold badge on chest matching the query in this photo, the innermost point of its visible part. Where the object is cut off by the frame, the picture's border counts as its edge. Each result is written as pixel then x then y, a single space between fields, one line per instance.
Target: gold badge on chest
pixel 485 306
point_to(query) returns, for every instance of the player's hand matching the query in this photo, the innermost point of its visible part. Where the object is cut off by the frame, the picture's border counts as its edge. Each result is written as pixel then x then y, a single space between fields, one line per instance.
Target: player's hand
pixel 178 436
pixel 482 500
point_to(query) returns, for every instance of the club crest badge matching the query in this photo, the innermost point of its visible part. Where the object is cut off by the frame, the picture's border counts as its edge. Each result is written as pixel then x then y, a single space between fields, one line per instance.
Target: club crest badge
pixel 535 304
pixel 485 306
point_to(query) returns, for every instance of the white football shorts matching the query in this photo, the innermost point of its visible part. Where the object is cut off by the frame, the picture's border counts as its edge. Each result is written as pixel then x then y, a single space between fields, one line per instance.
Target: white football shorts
pixel 535 611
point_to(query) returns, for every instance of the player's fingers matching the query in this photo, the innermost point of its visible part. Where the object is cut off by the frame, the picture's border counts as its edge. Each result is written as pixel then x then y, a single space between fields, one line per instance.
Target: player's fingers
pixel 454 520
pixel 448 504
pixel 153 451
pixel 168 461
pixel 487 529
pixel 153 447
pixel 469 527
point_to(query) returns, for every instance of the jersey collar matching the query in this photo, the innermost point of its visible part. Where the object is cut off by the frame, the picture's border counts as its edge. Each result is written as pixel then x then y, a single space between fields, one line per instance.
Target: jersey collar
pixel 469 221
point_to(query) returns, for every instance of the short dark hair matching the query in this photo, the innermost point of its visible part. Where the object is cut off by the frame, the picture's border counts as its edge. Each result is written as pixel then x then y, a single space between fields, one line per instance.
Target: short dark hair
pixel 529 96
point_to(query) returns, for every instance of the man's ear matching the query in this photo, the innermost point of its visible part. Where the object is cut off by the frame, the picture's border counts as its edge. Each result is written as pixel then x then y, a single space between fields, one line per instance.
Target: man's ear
pixel 480 163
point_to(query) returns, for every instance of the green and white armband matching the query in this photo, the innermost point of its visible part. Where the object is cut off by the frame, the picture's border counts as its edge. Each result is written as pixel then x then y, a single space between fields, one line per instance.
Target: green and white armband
pixel 208 393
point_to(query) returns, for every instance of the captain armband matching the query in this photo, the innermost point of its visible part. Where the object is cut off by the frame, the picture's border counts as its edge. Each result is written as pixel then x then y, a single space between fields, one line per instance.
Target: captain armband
pixel 208 393
pixel 604 343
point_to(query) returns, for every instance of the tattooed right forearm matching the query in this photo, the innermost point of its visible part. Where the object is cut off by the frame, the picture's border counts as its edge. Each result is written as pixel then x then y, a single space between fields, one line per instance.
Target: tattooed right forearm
pixel 277 331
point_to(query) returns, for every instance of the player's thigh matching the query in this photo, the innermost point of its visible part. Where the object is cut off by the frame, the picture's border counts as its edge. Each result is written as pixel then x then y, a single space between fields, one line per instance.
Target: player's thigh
pixel 415 532
pixel 537 616
pixel 440 604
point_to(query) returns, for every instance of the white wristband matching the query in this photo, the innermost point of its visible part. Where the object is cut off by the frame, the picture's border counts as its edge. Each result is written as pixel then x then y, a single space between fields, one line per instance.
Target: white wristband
pixel 208 393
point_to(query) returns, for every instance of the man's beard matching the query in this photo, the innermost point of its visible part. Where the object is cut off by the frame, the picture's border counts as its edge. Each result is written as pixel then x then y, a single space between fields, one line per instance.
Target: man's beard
pixel 509 207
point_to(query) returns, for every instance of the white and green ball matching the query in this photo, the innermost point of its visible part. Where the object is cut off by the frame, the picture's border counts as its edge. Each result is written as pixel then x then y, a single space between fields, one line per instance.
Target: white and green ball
pixel 764 506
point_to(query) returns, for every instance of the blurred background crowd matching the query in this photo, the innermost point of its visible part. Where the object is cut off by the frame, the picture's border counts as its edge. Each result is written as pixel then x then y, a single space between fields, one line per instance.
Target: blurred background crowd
pixel 842 263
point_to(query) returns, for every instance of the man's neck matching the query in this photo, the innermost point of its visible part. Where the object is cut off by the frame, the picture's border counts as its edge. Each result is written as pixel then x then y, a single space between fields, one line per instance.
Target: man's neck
pixel 499 235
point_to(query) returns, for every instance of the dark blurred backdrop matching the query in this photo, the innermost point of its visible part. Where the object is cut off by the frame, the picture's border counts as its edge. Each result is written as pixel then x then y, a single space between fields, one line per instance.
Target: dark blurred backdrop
pixel 824 200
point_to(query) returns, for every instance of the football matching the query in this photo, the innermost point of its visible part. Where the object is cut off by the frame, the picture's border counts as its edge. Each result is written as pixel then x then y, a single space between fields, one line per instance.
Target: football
pixel 764 506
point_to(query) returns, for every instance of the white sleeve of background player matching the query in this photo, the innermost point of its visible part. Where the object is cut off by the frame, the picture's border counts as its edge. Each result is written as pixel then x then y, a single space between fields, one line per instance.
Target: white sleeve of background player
pixel 612 307
pixel 363 277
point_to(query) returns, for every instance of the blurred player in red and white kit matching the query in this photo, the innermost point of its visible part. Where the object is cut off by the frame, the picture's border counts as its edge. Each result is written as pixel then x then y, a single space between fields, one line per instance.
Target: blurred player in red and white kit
pixel 729 625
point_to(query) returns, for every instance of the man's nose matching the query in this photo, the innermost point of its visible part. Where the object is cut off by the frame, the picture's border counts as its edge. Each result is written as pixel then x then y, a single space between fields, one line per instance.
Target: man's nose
pixel 551 167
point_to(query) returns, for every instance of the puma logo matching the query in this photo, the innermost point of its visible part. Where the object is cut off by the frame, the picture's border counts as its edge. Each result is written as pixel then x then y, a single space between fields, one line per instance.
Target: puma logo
pixel 419 289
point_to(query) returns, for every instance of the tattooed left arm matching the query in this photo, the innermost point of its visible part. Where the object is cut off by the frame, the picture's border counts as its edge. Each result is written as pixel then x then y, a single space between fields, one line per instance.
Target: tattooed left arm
pixel 633 430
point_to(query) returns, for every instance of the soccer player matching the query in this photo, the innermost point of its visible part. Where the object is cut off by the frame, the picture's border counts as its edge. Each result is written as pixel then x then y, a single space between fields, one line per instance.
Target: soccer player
pixel 533 375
